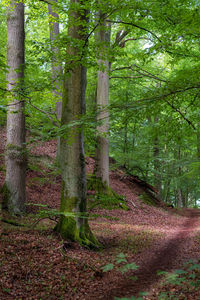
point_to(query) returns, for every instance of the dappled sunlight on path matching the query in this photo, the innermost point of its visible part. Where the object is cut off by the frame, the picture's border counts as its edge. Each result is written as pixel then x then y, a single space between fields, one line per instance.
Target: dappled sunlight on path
pixel 168 256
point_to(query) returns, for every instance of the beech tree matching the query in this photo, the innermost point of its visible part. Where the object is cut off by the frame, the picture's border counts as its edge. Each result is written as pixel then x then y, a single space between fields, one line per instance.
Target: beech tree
pixel 14 186
pixel 73 223
pixel 102 101
pixel 56 66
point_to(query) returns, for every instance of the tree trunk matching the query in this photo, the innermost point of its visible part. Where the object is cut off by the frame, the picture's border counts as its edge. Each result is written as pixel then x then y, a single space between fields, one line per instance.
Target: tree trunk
pixel 102 143
pixel 14 187
pixel 73 223
pixel 157 163
pixel 56 66
pixel 180 198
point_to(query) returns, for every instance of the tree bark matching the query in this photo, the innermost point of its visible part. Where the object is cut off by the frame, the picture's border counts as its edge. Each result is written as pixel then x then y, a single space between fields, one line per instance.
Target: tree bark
pixel 14 186
pixel 157 163
pixel 56 67
pixel 102 142
pixel 73 223
pixel 55 64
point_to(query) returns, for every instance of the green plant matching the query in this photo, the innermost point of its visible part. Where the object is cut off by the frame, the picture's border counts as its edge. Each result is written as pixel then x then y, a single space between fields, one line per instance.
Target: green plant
pixel 186 279
pixel 141 294
pixel 121 264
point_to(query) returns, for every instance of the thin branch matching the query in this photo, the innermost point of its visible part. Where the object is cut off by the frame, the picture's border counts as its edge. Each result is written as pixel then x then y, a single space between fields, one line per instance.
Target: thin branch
pixel 137 26
pixel 126 77
pixel 122 68
pixel 180 113
pixel 44 112
pixel 28 100
pixel 147 72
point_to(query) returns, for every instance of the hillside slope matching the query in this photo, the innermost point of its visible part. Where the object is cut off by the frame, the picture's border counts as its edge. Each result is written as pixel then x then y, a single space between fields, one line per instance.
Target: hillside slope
pixel 37 264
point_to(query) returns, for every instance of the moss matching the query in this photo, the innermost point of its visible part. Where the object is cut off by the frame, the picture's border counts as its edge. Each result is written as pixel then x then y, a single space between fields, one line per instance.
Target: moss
pixel 17 153
pixel 147 199
pixel 5 195
pixel 108 202
pixel 104 197
pixel 74 225
pixel 69 229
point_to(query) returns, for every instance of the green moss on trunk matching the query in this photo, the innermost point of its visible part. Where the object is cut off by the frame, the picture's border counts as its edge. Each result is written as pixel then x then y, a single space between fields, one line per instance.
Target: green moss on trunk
pixel 105 197
pixel 73 222
pixel 6 196
pixel 68 228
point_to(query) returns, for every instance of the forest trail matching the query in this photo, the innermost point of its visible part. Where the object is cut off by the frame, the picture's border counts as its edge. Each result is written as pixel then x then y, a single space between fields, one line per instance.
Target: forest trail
pixel 165 258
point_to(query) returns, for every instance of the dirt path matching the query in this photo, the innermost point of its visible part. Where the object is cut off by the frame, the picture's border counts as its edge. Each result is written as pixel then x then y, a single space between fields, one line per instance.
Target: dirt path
pixel 170 255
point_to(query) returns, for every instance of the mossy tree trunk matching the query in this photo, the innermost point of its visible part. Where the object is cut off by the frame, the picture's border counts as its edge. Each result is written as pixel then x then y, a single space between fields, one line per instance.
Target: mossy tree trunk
pixel 73 197
pixel 14 186
pixel 102 99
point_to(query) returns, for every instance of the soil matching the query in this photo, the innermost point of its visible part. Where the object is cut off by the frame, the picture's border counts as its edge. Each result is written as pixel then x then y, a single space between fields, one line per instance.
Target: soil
pixel 35 263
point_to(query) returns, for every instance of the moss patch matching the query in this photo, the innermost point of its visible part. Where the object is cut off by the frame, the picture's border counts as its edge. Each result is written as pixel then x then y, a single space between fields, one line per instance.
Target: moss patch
pixel 104 196
pixel 107 202
pixel 147 199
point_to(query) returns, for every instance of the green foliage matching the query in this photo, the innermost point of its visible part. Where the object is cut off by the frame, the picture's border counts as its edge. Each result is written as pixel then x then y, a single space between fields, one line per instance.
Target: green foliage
pixel 188 279
pixel 120 264
pixel 154 87
pixel 141 294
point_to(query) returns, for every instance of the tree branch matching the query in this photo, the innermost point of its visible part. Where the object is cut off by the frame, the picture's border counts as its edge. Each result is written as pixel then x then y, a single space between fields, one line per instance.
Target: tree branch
pixel 137 26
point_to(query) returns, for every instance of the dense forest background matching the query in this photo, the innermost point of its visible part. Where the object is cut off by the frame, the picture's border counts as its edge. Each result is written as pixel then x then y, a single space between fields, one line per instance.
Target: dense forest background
pixel 153 56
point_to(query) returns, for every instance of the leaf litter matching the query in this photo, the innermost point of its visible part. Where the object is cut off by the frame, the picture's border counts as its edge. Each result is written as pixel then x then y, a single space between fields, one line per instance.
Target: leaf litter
pixel 35 263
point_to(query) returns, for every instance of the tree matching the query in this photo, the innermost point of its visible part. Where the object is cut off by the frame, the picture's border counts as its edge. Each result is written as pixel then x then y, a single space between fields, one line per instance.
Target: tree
pixel 14 186
pixel 102 101
pixel 73 223
pixel 55 64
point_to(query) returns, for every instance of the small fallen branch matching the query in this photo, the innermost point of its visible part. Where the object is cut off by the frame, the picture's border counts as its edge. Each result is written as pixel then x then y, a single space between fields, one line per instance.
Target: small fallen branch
pixel 134 205
pixel 55 219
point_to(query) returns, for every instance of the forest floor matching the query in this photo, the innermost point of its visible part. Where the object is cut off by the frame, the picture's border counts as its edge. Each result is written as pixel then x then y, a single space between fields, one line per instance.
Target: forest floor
pixel 35 263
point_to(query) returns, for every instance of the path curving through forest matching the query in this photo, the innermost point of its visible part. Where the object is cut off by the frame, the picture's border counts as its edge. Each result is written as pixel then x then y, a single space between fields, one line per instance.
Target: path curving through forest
pixel 171 254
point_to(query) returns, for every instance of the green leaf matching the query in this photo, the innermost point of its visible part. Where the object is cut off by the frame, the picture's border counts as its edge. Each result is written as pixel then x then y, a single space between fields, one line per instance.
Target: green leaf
pixel 108 267
pixel 194 267
pixel 143 294
pixel 120 260
pixel 160 273
pixel 127 267
pixel 180 272
pixel 121 257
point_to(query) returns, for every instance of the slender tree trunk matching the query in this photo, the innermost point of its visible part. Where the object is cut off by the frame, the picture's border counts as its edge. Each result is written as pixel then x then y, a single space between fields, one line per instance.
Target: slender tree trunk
pixel 125 146
pixel 102 146
pixel 73 223
pixel 157 163
pixel 14 187
pixel 57 80
pixel 180 198
pixel 55 64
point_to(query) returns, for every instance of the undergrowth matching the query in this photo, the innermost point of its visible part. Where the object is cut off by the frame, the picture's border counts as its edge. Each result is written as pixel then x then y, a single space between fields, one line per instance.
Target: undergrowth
pixel 181 283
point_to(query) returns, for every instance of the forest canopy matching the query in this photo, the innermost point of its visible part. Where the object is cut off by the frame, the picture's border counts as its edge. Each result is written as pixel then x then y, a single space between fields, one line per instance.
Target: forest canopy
pixel 150 51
